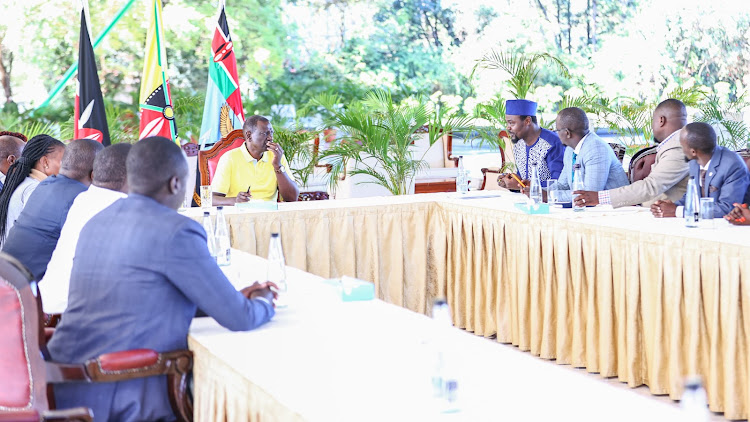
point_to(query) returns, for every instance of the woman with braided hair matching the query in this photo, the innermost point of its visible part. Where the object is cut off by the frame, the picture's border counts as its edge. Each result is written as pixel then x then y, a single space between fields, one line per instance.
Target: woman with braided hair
pixel 41 157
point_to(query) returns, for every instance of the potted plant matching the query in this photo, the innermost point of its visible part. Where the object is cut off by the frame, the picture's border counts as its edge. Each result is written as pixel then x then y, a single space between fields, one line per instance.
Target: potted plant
pixel 378 137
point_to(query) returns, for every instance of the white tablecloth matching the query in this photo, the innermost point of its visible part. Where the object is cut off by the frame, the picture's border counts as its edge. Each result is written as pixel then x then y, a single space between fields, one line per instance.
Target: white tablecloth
pixel 325 360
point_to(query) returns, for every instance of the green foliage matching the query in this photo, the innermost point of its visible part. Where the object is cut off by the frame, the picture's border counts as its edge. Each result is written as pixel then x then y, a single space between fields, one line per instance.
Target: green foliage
pixel 378 137
pixel 523 69
pixel 298 150
pixel 732 131
pixel 188 111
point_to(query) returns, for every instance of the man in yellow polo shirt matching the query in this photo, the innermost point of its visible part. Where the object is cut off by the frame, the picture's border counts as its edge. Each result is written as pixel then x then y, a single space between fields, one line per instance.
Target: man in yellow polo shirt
pixel 257 169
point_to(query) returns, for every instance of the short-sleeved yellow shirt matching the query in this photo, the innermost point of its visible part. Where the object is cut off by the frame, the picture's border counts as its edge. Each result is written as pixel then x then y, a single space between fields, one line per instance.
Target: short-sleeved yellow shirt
pixel 237 170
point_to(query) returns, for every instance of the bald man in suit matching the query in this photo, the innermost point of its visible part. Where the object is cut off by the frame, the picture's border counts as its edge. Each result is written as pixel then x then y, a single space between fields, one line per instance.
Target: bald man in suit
pixel 669 174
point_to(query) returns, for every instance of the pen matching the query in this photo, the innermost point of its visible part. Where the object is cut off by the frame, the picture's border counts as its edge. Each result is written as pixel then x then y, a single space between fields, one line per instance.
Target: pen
pixel 248 190
pixel 518 180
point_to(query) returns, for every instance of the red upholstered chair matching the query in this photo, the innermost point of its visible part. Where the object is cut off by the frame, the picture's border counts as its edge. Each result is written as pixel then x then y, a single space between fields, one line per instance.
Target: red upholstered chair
pixel 24 375
pixel 209 159
pixel 640 164
pixel 23 392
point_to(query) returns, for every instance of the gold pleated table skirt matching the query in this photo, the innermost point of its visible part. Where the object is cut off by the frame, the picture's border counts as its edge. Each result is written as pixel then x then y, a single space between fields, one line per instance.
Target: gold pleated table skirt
pixel 621 295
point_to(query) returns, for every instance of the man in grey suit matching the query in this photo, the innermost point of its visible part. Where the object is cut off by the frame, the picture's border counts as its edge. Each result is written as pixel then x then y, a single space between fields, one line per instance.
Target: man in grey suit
pixel 601 168
pixel 668 177
pixel 720 173
pixel 139 271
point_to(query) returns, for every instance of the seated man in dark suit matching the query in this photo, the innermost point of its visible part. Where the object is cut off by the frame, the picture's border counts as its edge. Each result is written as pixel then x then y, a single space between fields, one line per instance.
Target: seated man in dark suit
pixel 140 269
pixel 34 235
pixel 719 173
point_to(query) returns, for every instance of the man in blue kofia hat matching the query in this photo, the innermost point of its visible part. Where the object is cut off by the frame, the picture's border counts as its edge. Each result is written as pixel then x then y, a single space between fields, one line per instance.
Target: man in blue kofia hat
pixel 539 145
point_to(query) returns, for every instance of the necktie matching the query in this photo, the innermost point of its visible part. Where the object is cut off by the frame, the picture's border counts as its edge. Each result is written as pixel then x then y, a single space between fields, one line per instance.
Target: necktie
pixel 703 183
pixel 572 172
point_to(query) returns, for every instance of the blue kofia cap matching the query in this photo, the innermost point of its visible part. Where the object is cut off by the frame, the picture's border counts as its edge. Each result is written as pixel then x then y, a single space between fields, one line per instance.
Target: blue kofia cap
pixel 520 108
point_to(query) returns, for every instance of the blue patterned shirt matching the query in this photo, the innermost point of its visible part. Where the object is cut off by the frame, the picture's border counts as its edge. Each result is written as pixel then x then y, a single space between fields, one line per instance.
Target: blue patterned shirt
pixel 547 152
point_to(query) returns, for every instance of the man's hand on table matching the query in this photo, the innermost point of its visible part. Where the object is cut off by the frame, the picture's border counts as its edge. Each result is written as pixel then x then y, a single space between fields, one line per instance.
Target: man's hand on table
pixel 266 290
pixel 509 182
pixel 585 198
pixel 663 209
pixel 242 197
pixel 739 215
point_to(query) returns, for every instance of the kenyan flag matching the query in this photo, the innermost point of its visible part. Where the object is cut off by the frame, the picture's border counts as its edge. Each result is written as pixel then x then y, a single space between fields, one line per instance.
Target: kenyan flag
pixel 222 110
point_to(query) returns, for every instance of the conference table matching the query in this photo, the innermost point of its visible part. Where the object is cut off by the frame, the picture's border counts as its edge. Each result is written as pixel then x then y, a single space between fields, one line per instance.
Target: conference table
pixel 614 291
pixel 323 359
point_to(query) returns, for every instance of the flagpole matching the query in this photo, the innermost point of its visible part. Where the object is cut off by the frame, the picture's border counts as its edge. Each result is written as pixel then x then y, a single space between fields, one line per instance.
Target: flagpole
pixel 74 67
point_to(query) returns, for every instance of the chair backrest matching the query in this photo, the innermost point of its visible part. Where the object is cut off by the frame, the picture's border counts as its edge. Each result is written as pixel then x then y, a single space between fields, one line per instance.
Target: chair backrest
pixel 640 164
pixel 745 154
pixel 209 159
pixel 619 150
pixel 440 154
pixel 23 388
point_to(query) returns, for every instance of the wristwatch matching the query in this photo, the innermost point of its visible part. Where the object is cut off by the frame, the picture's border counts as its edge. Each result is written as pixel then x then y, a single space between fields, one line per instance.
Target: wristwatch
pixel 281 169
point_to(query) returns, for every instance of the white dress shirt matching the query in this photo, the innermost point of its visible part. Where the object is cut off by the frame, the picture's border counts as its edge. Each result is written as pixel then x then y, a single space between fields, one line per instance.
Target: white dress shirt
pixel 56 281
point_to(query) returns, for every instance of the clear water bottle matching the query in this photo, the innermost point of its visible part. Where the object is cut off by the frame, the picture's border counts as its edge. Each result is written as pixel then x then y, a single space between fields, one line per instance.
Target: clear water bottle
pixel 209 228
pixel 462 179
pixel 692 204
pixel 578 185
pixel 535 186
pixel 277 269
pixel 445 375
pixel 223 246
pixel 694 403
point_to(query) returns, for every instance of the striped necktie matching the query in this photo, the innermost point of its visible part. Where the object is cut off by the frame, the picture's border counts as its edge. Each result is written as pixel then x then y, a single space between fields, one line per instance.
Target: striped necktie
pixel 703 183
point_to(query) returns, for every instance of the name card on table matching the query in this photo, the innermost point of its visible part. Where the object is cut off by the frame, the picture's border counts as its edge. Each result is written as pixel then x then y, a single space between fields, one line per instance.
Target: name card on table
pixel 533 208
pixel 255 204
pixel 353 289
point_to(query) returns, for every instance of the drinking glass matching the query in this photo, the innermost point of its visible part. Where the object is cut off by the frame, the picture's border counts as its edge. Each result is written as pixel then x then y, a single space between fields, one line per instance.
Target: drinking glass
pixel 707 213
pixel 206 196
pixel 186 202
pixel 552 192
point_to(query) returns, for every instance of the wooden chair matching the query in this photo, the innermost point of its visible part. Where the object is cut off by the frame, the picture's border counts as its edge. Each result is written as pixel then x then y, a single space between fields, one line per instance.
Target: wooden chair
pixel 640 164
pixel 490 175
pixel 619 150
pixel 209 159
pixel 441 175
pixel 745 154
pixel 24 392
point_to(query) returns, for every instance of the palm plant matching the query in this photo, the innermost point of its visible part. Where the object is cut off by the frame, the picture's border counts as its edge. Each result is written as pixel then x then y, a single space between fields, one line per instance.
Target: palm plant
pixel 298 150
pixel 733 132
pixel 491 133
pixel 523 69
pixel 379 137
pixel 15 122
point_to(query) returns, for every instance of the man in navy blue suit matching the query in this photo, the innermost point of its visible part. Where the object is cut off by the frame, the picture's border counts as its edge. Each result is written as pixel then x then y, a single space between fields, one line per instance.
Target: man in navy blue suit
pixel 140 269
pixel 34 235
pixel 719 173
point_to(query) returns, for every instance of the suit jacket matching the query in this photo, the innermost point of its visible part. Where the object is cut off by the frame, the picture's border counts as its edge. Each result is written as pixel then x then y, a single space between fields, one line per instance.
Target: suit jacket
pixel 34 236
pixel 727 180
pixel 139 271
pixel 667 180
pixel 601 168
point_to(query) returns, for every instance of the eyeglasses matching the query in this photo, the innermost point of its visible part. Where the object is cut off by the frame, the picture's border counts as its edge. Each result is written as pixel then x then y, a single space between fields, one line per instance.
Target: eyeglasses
pixel 266 134
pixel 560 130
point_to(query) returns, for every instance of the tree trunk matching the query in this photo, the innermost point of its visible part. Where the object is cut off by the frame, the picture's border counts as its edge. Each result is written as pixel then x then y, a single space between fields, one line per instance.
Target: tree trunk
pixel 570 28
pixel 558 36
pixel 588 22
pixel 6 65
pixel 594 16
